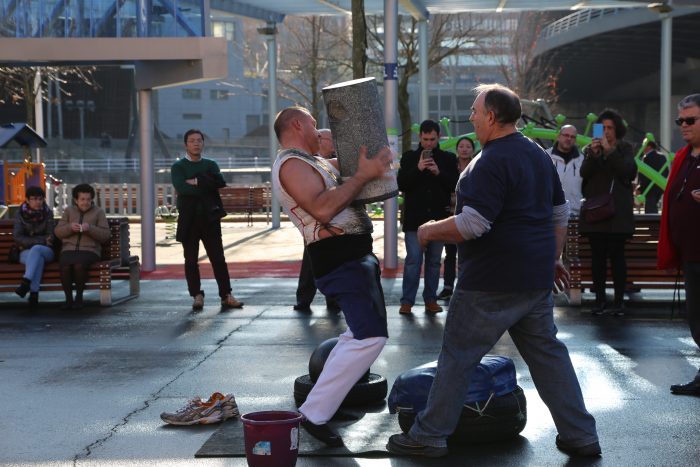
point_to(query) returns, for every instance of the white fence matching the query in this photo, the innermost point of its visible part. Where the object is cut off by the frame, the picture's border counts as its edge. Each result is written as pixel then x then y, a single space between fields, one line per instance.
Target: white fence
pixel 117 199
pixel 121 165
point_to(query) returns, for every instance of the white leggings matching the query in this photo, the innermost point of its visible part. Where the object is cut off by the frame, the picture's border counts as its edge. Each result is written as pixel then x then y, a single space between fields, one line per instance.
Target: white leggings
pixel 347 362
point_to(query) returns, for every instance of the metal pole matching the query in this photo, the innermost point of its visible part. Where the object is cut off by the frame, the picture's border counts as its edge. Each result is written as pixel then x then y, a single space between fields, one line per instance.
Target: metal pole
pixel 148 207
pixel 423 67
pixel 38 110
pixel 665 90
pixel 391 74
pixel 272 111
pixel 59 110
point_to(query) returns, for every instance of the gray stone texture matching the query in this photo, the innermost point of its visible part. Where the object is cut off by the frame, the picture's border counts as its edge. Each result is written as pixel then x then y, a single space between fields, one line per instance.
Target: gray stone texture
pixel 356 118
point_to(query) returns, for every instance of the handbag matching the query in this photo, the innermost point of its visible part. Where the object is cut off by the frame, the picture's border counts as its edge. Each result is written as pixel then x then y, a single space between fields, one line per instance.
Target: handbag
pixel 599 208
pixel 13 254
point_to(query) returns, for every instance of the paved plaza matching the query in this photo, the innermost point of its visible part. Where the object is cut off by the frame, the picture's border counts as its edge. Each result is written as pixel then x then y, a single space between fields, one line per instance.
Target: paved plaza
pixel 86 388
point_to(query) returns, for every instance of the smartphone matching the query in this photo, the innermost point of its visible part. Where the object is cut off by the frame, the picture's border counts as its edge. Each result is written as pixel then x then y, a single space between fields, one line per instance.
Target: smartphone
pixel 598 130
pixel 426 154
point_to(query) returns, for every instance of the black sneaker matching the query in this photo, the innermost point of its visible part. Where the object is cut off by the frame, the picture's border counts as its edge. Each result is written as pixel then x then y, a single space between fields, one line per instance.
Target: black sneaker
pixel 323 433
pixel 303 307
pixel 589 450
pixel 445 294
pixel 618 310
pixel 689 389
pixel 402 444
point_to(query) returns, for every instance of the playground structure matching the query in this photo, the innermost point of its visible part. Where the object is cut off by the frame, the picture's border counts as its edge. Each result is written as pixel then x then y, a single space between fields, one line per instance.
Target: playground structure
pixel 539 133
pixel 15 177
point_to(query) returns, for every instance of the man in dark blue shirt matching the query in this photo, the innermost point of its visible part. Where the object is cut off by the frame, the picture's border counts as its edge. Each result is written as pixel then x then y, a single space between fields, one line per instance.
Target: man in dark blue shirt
pixel 510 227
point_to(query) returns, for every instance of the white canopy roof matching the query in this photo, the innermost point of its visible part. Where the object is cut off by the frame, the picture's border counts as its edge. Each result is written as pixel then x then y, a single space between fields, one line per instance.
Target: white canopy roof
pixel 276 10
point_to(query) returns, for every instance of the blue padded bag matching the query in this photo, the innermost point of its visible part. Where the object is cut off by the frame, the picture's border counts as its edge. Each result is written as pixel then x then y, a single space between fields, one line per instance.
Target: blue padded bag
pixel 495 375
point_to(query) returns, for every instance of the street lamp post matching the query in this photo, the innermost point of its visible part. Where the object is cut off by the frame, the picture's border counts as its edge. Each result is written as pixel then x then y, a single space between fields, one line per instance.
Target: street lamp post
pixel 81 106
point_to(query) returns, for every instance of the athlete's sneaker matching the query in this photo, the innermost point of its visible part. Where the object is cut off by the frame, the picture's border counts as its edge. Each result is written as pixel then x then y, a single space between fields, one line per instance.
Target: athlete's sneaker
pixel 216 409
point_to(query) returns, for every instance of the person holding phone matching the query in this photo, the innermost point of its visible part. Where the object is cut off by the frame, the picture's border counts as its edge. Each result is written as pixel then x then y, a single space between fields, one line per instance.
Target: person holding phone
pixel 680 222
pixel 609 167
pixel 427 177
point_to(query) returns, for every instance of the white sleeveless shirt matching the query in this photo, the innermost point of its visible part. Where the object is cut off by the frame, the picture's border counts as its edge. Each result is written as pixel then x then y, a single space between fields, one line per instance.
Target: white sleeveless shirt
pixel 352 220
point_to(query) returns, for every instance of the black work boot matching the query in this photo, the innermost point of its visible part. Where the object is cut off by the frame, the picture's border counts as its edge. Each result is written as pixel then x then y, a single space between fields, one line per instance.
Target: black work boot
pixel 23 287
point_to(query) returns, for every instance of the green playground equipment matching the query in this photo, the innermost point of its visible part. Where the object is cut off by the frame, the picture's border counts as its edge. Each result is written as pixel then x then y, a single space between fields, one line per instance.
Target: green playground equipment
pixel 532 131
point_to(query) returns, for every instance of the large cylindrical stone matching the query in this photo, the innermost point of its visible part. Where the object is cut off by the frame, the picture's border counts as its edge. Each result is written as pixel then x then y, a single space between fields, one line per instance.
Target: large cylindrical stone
pixel 356 119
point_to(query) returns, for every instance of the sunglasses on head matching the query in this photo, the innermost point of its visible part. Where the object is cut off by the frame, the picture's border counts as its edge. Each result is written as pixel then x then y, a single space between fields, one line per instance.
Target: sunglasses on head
pixel 688 120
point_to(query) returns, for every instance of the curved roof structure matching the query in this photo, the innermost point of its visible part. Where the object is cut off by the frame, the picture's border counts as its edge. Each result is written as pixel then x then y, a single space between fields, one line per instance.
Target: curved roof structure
pixel 626 41
pixel 276 10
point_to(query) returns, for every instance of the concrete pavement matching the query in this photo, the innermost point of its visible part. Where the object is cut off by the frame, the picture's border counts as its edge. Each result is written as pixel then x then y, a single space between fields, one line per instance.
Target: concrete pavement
pixel 86 388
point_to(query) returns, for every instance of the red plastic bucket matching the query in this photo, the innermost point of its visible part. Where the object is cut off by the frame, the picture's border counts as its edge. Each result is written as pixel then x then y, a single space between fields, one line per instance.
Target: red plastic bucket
pixel 271 438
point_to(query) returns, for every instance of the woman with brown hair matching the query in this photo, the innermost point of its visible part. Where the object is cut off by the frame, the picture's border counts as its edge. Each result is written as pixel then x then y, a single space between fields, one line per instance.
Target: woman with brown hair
pixel 609 167
pixel 83 229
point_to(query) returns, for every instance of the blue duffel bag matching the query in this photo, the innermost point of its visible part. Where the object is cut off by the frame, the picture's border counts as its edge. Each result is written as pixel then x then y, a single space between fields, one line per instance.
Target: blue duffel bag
pixel 494 406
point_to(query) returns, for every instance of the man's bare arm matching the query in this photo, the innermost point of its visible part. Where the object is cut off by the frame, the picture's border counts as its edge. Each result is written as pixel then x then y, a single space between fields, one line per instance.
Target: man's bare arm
pixel 305 184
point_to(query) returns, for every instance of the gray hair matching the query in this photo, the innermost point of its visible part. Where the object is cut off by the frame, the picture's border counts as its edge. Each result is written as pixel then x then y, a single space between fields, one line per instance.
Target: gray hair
pixel 502 101
pixel 689 101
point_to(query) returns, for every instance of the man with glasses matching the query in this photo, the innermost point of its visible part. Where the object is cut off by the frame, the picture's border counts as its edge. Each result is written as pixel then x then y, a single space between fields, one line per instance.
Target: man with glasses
pixel 197 181
pixel 679 247
pixel 567 160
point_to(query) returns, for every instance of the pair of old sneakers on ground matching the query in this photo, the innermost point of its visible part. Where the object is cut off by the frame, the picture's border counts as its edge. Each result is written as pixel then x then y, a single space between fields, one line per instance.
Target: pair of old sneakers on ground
pixel 217 408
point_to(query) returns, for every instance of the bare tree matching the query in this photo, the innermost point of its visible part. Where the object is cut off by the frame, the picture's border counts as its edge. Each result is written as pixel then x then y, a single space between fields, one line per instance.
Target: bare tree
pixel 359 39
pixel 313 54
pixel 457 34
pixel 17 83
pixel 530 77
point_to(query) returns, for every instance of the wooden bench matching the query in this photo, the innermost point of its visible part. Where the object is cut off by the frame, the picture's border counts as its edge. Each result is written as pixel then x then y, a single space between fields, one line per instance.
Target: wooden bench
pixel 117 263
pixel 640 254
pixel 247 200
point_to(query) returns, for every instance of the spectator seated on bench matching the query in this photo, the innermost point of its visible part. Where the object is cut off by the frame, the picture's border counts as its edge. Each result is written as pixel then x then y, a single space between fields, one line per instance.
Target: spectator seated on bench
pixel 116 263
pixel 34 241
pixel 83 229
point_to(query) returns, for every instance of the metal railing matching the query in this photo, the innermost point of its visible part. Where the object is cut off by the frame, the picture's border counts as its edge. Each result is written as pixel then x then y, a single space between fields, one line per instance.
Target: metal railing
pixel 574 20
pixel 121 165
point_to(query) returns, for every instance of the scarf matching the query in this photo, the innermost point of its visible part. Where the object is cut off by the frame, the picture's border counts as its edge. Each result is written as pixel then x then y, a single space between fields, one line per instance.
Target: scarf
pixel 37 216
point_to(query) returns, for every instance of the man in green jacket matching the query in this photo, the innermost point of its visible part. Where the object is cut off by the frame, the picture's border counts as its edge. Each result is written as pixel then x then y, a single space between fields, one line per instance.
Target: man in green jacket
pixel 197 181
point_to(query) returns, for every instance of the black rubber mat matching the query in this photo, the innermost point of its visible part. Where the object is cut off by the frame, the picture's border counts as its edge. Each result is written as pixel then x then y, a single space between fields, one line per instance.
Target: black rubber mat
pixel 364 434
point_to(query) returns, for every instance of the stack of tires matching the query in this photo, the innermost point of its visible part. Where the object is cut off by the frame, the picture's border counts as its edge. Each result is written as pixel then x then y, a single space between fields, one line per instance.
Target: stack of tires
pixel 369 390
pixel 494 406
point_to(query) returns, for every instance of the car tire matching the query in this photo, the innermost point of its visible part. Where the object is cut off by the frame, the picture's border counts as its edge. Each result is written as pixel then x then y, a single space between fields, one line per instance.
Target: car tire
pixel 367 391
pixel 485 421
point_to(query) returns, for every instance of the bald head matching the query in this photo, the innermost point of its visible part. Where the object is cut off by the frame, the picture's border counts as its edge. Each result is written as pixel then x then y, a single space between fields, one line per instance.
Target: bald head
pixel 326 146
pixel 567 138
pixel 296 128
pixel 285 117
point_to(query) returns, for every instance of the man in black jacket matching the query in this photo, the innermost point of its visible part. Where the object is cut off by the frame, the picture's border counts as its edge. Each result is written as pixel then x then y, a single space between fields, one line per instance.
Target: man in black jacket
pixel 427 177
pixel 197 181
pixel 656 161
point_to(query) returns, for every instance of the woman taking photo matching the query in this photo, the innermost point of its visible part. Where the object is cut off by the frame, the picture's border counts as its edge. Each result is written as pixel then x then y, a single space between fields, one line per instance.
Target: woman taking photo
pixel 33 233
pixel 609 167
pixel 83 229
pixel 465 154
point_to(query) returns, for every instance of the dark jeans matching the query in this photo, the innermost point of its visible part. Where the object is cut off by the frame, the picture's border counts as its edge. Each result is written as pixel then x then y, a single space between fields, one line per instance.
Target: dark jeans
pixel 306 289
pixel 210 235
pixel 651 203
pixel 450 266
pixel 691 273
pixel 604 246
